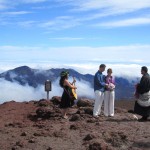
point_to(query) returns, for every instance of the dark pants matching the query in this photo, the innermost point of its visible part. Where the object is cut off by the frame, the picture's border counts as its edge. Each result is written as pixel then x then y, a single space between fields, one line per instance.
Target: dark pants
pixel 140 110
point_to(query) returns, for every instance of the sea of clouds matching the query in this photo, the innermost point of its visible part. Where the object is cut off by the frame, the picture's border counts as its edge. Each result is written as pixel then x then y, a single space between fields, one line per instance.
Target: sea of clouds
pixel 15 91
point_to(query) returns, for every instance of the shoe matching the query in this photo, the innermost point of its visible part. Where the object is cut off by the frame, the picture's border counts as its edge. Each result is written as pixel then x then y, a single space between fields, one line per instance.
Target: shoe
pixel 65 117
pixel 143 119
pixel 95 116
pixel 111 116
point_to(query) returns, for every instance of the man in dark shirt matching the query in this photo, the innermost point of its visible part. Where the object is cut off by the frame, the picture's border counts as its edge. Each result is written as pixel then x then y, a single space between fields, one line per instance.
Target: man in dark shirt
pixel 142 105
pixel 144 85
pixel 99 88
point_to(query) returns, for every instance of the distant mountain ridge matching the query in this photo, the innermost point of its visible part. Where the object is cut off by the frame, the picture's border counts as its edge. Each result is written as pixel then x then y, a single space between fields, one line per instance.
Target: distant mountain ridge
pixel 34 77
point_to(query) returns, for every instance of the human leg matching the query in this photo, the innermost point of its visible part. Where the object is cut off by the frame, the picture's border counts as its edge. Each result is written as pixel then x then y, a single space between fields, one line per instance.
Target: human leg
pixel 101 102
pixel 64 113
pixel 106 103
pixel 111 103
pixel 97 103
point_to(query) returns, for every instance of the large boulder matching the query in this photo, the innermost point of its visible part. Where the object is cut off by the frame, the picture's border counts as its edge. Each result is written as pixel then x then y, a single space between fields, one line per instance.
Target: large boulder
pixel 85 103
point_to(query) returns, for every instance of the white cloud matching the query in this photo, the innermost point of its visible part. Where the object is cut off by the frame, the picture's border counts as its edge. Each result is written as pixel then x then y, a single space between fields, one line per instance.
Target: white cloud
pixel 96 9
pixel 113 54
pixel 59 23
pixel 109 8
pixel 119 69
pixel 113 5
pixel 126 22
pixel 15 91
pixel 84 89
pixel 33 1
pixel 16 13
pixel 27 24
pixel 66 38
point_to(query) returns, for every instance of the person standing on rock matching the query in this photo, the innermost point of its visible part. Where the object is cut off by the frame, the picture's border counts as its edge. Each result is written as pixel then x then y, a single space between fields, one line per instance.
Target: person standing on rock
pixel 109 95
pixel 99 88
pixel 142 105
pixel 66 100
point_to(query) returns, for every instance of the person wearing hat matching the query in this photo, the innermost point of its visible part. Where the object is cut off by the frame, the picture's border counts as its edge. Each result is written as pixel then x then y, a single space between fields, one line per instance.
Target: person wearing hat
pixel 66 100
pixel 142 105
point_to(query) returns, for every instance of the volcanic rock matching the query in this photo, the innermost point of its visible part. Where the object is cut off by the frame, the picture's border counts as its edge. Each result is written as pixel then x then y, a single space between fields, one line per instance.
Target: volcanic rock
pixel 85 103
pixel 88 110
pixel 89 137
pixel 31 126
pixel 44 112
pixel 44 103
pixel 75 117
pixel 24 134
pixel 97 146
pixel 56 100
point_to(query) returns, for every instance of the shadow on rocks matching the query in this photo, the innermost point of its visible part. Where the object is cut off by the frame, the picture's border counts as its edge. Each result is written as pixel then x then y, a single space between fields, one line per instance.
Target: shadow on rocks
pixel 116 139
pixel 98 146
pixel 141 145
pixel 75 117
pixel 45 110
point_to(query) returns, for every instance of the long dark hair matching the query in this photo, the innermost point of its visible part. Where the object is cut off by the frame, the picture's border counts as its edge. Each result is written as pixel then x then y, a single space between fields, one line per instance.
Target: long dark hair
pixel 62 79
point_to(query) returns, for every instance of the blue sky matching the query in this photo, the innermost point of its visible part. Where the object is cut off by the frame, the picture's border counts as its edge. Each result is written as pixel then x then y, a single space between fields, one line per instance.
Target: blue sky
pixel 78 34
pixel 74 32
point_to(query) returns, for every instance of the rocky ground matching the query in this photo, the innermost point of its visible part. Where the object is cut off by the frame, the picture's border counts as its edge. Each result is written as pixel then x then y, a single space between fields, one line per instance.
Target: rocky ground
pixel 38 125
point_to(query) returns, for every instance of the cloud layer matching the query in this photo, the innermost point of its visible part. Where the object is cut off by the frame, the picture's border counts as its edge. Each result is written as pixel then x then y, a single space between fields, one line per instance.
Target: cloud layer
pixel 138 54
pixel 14 91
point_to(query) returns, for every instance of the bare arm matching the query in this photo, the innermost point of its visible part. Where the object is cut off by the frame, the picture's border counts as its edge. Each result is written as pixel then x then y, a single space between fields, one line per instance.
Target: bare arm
pixel 66 82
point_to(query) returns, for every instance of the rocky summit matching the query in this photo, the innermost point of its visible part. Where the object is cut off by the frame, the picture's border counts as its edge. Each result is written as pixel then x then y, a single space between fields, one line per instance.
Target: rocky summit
pixel 38 125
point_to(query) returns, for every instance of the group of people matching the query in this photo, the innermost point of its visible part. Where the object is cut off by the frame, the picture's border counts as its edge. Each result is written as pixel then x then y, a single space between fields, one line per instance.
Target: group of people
pixel 104 89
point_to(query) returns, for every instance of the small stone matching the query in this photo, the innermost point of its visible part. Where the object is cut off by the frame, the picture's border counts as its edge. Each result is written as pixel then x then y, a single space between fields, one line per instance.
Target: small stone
pixel 89 137
pixel 49 148
pixel 20 144
pixel 73 127
pixel 24 134
pixel 75 117
pixel 31 141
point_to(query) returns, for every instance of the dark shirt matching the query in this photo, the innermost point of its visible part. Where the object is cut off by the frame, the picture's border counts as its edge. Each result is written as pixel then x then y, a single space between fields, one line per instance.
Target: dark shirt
pixel 144 85
pixel 99 81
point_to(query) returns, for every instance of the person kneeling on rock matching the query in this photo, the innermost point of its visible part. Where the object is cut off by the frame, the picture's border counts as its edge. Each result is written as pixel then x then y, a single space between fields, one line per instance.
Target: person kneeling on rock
pixel 66 99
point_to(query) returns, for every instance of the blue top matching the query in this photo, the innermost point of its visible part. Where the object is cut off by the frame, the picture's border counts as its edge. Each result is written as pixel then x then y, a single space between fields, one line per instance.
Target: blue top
pixel 99 81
